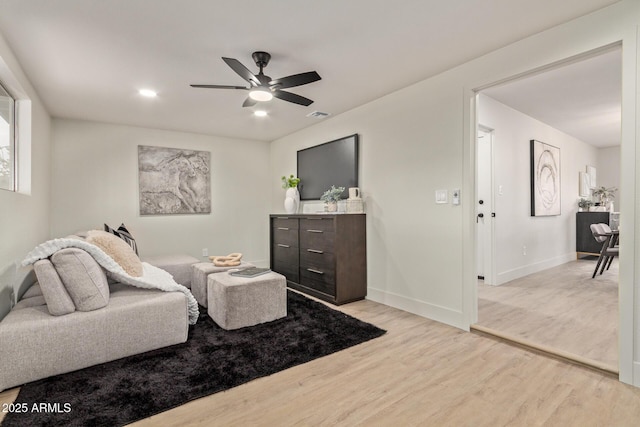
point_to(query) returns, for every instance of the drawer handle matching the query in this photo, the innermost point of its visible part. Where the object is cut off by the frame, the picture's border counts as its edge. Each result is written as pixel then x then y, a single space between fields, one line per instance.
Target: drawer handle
pixel 315 251
pixel 282 217
pixel 283 228
pixel 315 231
pixel 283 246
pixel 315 271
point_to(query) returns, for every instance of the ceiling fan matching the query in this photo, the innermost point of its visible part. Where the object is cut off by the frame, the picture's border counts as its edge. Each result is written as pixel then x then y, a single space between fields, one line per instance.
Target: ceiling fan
pixel 261 87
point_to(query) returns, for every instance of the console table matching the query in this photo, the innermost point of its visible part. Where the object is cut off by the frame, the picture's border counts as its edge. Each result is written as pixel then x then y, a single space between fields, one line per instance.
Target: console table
pixel 323 255
pixel 585 242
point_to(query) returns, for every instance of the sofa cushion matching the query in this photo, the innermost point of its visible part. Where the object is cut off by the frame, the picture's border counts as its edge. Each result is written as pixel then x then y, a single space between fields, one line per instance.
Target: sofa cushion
pixel 124 234
pixel 33 291
pixel 117 249
pixel 83 278
pixel 55 294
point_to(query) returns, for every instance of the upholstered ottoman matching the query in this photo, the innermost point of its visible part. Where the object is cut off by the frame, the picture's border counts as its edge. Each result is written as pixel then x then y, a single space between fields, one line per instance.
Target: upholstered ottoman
pixel 200 274
pixel 236 302
pixel 179 266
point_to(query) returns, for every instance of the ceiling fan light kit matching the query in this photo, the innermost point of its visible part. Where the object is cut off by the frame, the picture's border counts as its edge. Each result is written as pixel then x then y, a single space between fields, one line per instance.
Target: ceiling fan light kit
pixel 261 87
pixel 260 94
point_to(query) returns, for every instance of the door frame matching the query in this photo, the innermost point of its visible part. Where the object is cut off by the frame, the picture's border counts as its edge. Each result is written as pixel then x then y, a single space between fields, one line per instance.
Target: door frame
pixel 629 370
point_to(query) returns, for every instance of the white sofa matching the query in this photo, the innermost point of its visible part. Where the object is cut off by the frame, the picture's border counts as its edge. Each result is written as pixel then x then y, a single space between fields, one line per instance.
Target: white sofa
pixel 35 344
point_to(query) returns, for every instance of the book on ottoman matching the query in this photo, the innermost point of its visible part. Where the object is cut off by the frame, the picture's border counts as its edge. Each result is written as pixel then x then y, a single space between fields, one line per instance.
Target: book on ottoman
pixel 250 272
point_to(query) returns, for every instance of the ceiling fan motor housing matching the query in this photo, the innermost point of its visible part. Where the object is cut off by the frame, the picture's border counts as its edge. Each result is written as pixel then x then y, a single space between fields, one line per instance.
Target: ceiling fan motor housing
pixel 261 59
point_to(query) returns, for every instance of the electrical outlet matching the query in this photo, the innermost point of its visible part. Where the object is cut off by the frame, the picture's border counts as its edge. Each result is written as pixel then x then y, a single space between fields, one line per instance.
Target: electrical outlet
pixel 205 252
pixel 524 249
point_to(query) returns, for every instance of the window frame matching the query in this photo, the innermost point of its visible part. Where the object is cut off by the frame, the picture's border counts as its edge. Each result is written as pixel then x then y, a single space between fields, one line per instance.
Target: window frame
pixel 12 122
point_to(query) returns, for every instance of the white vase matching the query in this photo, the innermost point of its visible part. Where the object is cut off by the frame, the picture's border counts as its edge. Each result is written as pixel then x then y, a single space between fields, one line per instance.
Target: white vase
pixel 332 207
pixel 292 200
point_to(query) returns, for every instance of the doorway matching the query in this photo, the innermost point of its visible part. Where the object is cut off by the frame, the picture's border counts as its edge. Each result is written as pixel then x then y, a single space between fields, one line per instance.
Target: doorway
pixel 522 255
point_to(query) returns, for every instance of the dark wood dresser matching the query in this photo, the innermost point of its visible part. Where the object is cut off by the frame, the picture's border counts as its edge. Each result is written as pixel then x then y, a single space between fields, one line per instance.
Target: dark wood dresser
pixel 324 255
pixel 586 244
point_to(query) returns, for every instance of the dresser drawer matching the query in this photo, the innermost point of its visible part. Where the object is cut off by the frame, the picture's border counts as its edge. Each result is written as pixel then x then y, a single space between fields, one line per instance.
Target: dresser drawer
pixel 320 260
pixel 318 274
pixel 321 241
pixel 285 236
pixel 285 222
pixel 286 254
pixel 307 280
pixel 290 271
pixel 318 224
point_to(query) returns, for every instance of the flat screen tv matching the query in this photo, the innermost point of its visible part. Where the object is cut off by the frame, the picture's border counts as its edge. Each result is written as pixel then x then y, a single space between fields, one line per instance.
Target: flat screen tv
pixel 324 165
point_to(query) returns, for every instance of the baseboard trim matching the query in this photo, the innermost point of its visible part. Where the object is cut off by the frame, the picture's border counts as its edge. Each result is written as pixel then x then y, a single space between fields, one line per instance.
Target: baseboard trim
pixel 636 374
pixel 525 270
pixel 547 351
pixel 430 311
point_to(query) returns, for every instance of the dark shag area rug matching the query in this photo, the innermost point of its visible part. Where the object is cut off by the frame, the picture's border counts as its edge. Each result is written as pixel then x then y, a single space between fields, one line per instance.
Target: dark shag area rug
pixel 212 360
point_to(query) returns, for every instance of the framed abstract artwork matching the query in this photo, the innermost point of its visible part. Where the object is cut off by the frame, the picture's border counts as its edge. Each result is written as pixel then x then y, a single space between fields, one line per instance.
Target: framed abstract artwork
pixel 545 179
pixel 173 181
pixel 584 185
pixel 591 171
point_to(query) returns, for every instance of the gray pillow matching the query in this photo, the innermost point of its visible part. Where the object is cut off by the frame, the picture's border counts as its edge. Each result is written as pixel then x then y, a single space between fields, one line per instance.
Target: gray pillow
pixel 55 295
pixel 83 278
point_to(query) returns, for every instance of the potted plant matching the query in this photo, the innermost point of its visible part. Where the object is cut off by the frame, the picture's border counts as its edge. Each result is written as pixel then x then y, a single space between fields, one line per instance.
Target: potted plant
pixel 605 194
pixel 292 196
pixel 584 204
pixel 291 182
pixel 331 198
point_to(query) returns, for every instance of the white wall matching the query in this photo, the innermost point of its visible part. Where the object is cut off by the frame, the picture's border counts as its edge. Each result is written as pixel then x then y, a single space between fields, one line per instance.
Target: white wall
pixel 421 256
pixel 95 181
pixel 608 170
pixel 410 146
pixel 24 218
pixel 549 241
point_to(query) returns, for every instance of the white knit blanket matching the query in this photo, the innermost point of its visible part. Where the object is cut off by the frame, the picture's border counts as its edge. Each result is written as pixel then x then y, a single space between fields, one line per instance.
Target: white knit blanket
pixel 152 277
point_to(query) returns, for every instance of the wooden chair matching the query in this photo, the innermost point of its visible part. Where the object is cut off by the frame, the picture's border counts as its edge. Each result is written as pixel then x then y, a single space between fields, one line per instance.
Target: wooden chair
pixel 602 233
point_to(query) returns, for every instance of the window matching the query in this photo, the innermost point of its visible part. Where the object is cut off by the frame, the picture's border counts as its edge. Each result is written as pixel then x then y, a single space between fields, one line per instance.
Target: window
pixel 7 141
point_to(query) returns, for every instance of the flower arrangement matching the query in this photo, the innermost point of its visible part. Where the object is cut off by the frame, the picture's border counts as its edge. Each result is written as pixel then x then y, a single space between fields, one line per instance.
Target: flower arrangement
pixel 291 182
pixel 332 195
pixel 585 203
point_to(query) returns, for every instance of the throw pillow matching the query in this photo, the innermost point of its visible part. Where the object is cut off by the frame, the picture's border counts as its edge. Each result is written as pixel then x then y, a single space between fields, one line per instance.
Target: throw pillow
pixel 83 278
pixel 124 234
pixel 55 294
pixel 117 249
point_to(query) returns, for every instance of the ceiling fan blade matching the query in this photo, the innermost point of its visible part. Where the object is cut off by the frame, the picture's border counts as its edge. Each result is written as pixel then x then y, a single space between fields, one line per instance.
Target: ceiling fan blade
pixel 241 70
pixel 295 80
pixel 292 97
pixel 219 87
pixel 249 102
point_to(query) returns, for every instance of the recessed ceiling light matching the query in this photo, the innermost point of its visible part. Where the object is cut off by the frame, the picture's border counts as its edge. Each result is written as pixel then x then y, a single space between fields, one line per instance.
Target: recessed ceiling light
pixel 260 113
pixel 148 93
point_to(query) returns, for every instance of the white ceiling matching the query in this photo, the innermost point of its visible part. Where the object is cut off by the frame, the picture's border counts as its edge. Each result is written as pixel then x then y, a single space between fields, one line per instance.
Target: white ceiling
pixel 88 58
pixel 582 99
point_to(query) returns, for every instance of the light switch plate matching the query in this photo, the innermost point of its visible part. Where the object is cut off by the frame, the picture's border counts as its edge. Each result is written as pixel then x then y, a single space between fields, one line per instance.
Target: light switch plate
pixel 442 196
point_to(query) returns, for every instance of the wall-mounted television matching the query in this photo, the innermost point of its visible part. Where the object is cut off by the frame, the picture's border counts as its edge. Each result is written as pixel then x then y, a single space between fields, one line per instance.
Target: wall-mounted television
pixel 324 165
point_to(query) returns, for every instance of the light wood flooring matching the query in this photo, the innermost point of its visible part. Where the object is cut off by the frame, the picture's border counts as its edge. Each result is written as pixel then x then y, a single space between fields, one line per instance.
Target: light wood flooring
pixel 420 373
pixel 561 308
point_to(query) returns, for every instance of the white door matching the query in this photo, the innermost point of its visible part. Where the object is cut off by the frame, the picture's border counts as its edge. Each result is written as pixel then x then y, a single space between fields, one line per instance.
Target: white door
pixel 484 206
